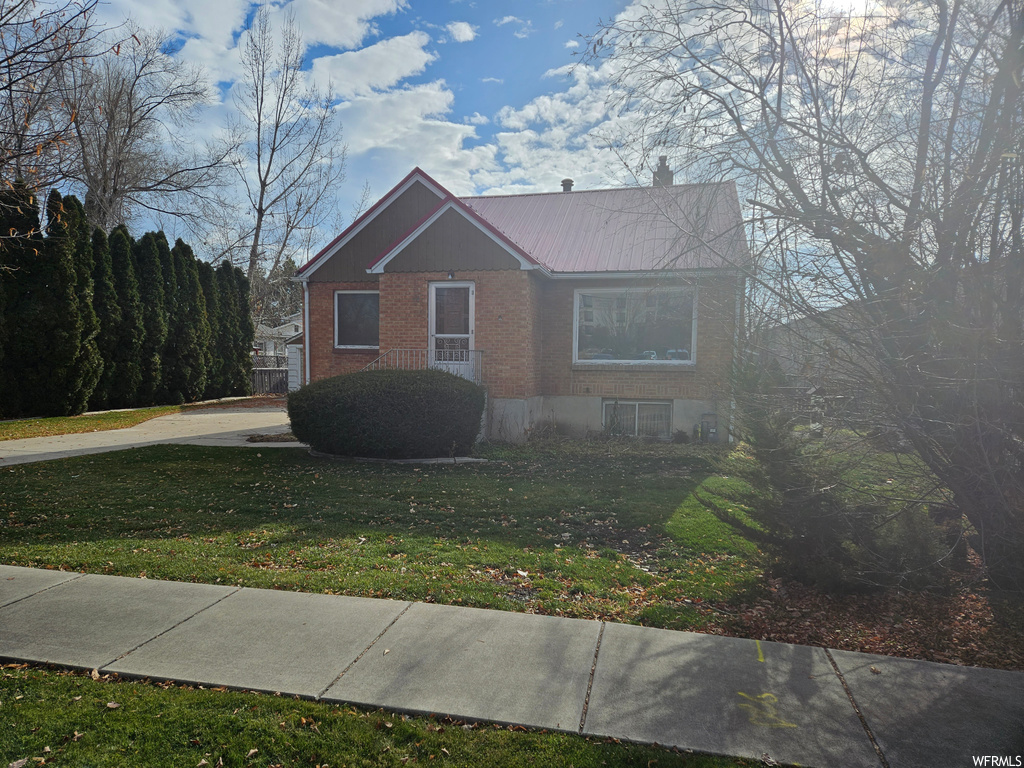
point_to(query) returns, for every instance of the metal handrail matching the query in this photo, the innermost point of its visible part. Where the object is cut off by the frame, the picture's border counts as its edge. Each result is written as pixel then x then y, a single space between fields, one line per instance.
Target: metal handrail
pixel 466 363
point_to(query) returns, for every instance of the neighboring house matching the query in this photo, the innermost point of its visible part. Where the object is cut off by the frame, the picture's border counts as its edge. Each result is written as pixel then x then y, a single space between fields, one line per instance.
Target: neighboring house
pixel 272 340
pixel 821 351
pixel 296 369
pixel 612 309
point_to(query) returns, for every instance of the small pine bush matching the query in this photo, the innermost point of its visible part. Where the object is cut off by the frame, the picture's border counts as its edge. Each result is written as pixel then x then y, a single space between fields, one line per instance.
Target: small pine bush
pixel 388 414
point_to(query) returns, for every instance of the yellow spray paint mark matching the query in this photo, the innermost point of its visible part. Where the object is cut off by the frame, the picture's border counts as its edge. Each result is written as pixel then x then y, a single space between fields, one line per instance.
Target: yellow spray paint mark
pixel 761 710
pixel 760 653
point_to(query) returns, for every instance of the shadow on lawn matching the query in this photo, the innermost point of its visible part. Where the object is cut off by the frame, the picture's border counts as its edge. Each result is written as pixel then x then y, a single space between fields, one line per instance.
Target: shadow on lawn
pixel 589 530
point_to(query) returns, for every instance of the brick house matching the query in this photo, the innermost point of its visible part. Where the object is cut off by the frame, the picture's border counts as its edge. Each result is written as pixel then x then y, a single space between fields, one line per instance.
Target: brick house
pixel 614 309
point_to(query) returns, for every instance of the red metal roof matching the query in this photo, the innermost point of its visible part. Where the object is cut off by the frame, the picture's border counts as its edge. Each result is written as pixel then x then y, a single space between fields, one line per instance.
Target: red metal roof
pixel 634 229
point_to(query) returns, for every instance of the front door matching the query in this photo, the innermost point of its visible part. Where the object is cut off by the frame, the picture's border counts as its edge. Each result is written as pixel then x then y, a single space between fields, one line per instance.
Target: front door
pixel 451 328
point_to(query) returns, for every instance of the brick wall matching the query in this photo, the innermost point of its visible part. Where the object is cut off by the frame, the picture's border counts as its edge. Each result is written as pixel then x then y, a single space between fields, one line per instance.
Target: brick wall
pixel 706 380
pixel 524 326
pixel 505 329
pixel 325 360
pixel 504 323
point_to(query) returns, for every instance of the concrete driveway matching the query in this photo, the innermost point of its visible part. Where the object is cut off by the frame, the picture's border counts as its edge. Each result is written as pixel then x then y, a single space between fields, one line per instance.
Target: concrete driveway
pixel 207 426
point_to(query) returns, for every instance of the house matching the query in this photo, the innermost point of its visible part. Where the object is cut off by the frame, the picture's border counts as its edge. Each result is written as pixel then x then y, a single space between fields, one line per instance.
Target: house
pixel 271 340
pixel 610 309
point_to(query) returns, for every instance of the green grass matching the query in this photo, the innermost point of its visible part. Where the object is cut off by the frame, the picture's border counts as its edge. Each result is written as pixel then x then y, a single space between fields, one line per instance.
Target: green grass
pixel 93 422
pixel 70 720
pixel 589 531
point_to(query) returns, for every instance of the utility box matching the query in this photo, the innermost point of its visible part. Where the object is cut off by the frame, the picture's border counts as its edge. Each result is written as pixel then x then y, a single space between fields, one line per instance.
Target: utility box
pixel 709 427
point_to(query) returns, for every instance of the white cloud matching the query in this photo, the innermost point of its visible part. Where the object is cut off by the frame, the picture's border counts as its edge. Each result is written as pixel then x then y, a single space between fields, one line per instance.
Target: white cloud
pixel 476 119
pixel 497 80
pixel 388 119
pixel 525 25
pixel 344 24
pixel 461 31
pixel 407 127
pixel 524 31
pixel 572 44
pixel 558 24
pixel 379 66
pixel 557 135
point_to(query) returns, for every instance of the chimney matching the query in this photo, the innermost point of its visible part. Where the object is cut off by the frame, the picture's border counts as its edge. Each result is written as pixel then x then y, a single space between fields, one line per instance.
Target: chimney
pixel 663 174
pixel 567 185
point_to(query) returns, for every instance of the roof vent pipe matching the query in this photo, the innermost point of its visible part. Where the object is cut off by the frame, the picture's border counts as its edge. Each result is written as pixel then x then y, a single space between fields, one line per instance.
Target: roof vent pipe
pixel 567 185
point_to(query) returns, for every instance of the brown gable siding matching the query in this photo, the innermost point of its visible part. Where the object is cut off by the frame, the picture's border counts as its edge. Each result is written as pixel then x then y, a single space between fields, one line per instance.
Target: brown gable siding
pixel 451 243
pixel 348 265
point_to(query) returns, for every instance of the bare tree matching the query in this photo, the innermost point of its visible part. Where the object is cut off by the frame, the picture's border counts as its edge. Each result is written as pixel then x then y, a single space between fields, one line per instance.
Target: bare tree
pixel 880 155
pixel 292 157
pixel 38 41
pixel 131 109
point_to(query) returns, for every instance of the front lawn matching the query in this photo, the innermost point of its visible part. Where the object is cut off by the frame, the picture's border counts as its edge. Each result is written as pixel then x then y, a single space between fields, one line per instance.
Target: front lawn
pixel 18 429
pixel 573 531
pixel 615 530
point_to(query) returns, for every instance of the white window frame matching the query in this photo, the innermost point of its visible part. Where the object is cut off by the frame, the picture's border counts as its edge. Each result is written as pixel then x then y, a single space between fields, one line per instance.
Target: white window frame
pixel 692 289
pixel 636 417
pixel 355 346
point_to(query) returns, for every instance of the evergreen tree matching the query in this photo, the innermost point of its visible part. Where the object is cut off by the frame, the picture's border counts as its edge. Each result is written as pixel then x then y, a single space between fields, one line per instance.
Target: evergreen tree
pixel 154 317
pixel 45 312
pixel 246 337
pixel 214 364
pixel 108 313
pixel 188 336
pixel 168 354
pixel 130 332
pixel 19 223
pixel 231 346
pixel 88 365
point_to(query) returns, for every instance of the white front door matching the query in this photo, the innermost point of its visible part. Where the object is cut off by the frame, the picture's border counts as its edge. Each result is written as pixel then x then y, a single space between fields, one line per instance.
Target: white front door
pixel 451 328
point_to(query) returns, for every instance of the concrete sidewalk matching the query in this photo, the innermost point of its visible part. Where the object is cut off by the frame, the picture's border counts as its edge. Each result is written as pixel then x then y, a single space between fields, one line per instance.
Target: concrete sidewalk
pixel 793 704
pixel 212 426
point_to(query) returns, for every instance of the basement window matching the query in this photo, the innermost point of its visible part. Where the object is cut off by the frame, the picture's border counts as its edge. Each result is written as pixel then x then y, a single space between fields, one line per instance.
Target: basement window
pixel 357 319
pixel 638 419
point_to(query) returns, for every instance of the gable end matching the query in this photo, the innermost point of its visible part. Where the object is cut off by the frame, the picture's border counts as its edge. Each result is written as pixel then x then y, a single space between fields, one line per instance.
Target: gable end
pixel 346 259
pixel 450 241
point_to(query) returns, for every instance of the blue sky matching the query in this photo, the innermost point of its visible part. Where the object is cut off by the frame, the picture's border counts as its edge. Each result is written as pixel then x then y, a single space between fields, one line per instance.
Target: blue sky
pixel 481 95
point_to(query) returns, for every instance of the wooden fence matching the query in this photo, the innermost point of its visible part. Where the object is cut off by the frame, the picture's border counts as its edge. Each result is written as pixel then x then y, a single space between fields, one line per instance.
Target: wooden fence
pixel 270 381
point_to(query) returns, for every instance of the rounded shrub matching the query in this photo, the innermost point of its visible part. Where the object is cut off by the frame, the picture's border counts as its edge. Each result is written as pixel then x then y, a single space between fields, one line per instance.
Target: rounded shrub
pixel 388 414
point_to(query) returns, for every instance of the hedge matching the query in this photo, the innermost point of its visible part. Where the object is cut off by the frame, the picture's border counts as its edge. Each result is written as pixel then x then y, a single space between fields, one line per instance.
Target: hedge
pixel 388 414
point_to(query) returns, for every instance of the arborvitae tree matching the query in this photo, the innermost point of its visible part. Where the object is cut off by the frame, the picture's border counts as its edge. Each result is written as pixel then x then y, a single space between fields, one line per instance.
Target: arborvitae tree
pixel 232 347
pixel 126 359
pixel 170 284
pixel 108 313
pixel 46 313
pixel 214 364
pixel 154 316
pixel 19 228
pixel 247 335
pixel 188 337
pixel 89 363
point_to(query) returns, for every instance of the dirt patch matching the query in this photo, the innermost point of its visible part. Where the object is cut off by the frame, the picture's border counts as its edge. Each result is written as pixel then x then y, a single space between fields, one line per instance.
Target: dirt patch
pixel 241 402
pixel 283 437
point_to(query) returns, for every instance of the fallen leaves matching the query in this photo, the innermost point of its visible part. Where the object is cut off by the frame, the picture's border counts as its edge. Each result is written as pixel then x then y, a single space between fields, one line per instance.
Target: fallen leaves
pixel 965 626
